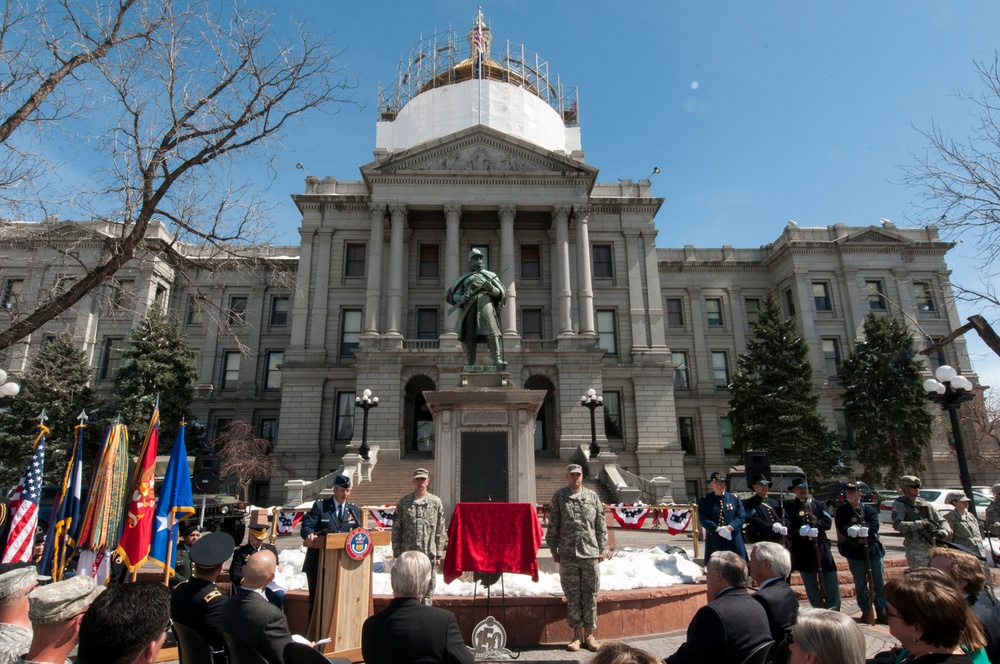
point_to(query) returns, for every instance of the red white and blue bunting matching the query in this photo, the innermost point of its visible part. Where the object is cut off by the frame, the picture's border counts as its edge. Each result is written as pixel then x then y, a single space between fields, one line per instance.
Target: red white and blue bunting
pixel 628 515
pixel 383 516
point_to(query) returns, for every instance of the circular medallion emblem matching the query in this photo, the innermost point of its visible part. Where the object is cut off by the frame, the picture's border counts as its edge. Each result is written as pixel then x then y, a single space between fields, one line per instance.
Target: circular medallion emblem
pixel 359 543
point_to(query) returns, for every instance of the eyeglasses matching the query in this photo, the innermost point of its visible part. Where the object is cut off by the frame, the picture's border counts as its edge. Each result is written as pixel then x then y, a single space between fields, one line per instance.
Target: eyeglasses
pixel 890 613
pixel 170 624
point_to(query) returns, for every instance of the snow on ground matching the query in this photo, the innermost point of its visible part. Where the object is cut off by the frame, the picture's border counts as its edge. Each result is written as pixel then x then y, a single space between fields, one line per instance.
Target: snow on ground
pixel 628 569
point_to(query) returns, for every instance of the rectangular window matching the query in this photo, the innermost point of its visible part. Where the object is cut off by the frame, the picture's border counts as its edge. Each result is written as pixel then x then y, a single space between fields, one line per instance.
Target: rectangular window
pixel 923 295
pixel 63 284
pixel 726 434
pixel 354 260
pixel 160 297
pixel 267 428
pixel 876 294
pixel 428 261
pixel 230 369
pixel 603 268
pixel 345 416
pixel 790 303
pixel 531 261
pixel 607 330
pixel 821 296
pixel 12 289
pixel 222 425
pixel 753 310
pixel 720 369
pixel 531 323
pixel 681 375
pixel 937 358
pixel 427 323
pixel 237 313
pixel 713 308
pixel 121 294
pixel 675 311
pixel 613 415
pixel 279 309
pixel 195 311
pixel 685 434
pixel 272 377
pixel 350 331
pixel 844 432
pixel 111 357
pixel 831 357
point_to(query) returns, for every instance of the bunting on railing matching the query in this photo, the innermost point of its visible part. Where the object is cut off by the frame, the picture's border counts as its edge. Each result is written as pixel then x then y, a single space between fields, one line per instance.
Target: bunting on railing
pixel 629 516
pixel 383 516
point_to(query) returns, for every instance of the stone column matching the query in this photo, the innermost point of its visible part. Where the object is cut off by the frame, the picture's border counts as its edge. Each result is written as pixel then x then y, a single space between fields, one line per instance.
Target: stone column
pixel 323 245
pixel 373 296
pixel 507 213
pixel 584 279
pixel 452 257
pixel 561 272
pixel 300 308
pixel 654 299
pixel 635 258
pixel 394 323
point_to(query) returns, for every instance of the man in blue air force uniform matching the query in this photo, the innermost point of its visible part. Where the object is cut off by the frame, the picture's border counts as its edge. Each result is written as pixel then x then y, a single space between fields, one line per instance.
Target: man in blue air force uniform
pixel 721 516
pixel 328 515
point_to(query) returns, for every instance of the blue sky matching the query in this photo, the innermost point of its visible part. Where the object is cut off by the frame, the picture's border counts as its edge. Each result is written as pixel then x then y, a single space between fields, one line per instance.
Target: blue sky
pixel 756 113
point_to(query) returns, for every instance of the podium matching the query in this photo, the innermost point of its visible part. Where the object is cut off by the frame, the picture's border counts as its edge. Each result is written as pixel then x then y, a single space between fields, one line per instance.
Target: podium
pixel 343 594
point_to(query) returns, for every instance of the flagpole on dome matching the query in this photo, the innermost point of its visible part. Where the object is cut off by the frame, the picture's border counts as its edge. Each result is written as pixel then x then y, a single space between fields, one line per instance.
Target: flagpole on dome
pixel 480 46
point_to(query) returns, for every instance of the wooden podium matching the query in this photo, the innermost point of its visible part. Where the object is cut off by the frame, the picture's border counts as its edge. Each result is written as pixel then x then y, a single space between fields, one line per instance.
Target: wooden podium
pixel 343 595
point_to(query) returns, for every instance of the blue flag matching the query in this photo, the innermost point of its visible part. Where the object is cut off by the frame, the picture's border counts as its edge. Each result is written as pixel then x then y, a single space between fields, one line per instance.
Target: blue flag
pixel 64 529
pixel 175 503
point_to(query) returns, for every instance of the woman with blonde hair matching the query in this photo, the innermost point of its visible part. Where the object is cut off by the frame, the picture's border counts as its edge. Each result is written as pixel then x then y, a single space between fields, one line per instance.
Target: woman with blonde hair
pixel 932 621
pixel 622 653
pixel 826 637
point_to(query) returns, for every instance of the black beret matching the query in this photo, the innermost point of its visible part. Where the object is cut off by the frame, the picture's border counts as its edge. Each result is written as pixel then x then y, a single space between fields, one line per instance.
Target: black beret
pixel 212 549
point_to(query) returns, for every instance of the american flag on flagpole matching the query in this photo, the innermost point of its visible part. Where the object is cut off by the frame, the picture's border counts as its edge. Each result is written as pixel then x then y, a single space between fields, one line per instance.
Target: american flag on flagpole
pixel 480 45
pixel 24 504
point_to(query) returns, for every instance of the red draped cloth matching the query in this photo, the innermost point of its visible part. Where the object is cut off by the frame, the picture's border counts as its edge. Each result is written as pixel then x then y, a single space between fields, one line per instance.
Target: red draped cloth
pixel 493 537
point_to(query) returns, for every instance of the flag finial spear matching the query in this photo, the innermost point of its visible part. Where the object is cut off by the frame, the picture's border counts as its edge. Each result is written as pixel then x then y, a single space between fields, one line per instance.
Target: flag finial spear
pixel 42 417
pixel 83 417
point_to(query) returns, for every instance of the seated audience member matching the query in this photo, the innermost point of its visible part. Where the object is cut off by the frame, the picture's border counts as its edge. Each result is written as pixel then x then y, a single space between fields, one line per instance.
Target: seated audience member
pixel 17 580
pixel 409 630
pixel 248 615
pixel 56 611
pixel 126 624
pixel 932 620
pixel 732 624
pixel 770 565
pixel 623 653
pixel 197 603
pixel 967 572
pixel 826 637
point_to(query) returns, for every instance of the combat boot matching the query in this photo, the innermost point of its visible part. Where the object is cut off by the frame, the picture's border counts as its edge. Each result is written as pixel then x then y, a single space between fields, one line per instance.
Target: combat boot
pixel 590 643
pixel 574 645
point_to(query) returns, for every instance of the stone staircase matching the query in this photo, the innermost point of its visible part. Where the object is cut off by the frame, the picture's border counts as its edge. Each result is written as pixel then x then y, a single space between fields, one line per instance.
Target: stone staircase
pixel 550 476
pixel 893 568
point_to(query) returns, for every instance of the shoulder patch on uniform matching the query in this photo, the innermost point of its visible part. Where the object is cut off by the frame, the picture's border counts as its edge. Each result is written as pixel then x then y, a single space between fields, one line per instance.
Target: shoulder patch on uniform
pixel 212 595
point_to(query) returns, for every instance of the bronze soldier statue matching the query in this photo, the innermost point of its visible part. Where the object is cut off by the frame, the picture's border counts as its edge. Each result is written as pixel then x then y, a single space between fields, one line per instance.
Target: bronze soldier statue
pixel 479 295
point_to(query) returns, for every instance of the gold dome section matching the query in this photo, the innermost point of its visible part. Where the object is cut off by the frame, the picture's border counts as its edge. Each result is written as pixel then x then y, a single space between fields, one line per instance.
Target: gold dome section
pixel 466 71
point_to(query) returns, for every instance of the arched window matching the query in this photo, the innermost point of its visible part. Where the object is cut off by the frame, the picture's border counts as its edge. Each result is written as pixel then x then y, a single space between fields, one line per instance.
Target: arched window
pixel 419 422
pixel 545 431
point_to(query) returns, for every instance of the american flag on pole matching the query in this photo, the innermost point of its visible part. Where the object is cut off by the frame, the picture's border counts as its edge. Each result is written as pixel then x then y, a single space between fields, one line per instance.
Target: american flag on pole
pixel 24 504
pixel 480 44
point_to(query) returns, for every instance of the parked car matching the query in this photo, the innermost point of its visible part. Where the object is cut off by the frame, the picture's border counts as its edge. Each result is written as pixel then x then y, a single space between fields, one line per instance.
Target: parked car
pixel 936 497
pixel 832 494
pixel 884 498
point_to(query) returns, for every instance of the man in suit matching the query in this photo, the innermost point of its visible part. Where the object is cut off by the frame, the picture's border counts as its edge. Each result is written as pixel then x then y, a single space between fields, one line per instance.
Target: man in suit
pixel 721 516
pixel 967 571
pixel 329 515
pixel 408 630
pixel 807 526
pixel 249 617
pixel 770 565
pixel 197 603
pixel 732 624
pixel 765 518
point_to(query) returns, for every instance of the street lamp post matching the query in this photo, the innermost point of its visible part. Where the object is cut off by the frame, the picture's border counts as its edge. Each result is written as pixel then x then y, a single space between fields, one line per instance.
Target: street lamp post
pixel 8 389
pixel 950 391
pixel 592 400
pixel 365 402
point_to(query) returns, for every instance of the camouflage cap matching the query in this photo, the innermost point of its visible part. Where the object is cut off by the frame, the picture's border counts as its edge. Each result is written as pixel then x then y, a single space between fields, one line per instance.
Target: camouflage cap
pixel 909 480
pixel 574 468
pixel 421 474
pixel 62 600
pixel 955 496
pixel 18 577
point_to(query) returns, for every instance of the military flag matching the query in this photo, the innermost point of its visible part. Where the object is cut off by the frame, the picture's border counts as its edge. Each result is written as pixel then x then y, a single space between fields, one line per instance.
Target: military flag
pixel 175 503
pixel 102 519
pixel 64 529
pixel 138 531
pixel 24 504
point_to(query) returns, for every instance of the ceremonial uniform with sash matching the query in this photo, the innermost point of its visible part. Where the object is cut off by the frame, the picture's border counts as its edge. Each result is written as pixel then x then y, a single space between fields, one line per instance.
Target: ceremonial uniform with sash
pixel 197 603
pixel 717 511
pixel 804 511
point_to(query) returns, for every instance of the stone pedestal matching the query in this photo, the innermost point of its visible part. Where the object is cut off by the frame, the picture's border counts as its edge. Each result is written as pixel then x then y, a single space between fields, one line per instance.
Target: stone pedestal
pixel 484 440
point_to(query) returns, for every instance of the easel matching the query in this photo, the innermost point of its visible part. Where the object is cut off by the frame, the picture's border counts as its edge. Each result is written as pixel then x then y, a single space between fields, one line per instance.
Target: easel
pixel 343 595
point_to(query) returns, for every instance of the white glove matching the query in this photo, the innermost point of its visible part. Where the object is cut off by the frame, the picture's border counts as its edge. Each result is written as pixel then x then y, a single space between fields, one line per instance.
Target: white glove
pixel 862 531
pixel 784 530
pixel 805 531
pixel 725 533
pixel 777 528
pixel 813 532
pixel 854 531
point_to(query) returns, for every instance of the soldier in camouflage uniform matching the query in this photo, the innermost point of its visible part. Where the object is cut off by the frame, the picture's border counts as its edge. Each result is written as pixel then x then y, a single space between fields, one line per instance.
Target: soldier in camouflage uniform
pixel 56 611
pixel 16 581
pixel 918 522
pixel 418 525
pixel 576 537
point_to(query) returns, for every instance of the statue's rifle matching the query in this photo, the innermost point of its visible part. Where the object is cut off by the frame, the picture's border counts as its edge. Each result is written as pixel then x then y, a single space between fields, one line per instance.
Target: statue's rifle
pixel 475 291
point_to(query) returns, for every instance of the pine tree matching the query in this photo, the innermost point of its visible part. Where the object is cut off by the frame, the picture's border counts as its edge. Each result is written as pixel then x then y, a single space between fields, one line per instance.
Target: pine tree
pixel 773 401
pixel 158 363
pixel 56 381
pixel 885 402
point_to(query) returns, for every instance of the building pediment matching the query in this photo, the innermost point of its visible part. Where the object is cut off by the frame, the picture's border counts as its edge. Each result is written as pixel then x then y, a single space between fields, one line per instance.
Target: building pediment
pixel 874 236
pixel 478 151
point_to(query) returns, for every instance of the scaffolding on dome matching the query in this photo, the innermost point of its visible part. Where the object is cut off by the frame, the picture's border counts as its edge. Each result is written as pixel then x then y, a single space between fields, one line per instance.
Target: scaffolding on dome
pixel 438 61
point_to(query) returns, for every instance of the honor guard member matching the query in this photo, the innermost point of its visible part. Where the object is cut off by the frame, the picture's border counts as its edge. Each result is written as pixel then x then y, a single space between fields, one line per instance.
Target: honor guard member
pixel 418 525
pixel 256 541
pixel 918 522
pixel 857 522
pixel 328 515
pixel 765 521
pixel 721 516
pixel 807 526
pixel 576 537
pixel 190 531
pixel 197 603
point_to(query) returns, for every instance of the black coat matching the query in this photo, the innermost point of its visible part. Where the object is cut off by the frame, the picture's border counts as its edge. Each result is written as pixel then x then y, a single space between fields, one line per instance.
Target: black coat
pixel 850 547
pixel 409 631
pixel 240 557
pixel 762 514
pixel 252 619
pixel 724 631
pixel 197 604
pixel 988 614
pixel 781 606
pixel 803 552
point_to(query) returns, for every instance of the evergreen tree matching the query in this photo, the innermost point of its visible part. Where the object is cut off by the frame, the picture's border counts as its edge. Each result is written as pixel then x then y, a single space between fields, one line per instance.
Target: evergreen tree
pixel 885 402
pixel 773 401
pixel 56 381
pixel 158 363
